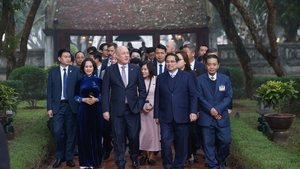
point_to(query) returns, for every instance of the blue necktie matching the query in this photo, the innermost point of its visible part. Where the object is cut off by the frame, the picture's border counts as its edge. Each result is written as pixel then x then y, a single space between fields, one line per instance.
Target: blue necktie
pixel 65 79
pixel 160 68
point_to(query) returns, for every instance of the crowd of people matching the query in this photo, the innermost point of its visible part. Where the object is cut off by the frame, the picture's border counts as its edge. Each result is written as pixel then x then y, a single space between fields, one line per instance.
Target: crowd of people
pixel 151 99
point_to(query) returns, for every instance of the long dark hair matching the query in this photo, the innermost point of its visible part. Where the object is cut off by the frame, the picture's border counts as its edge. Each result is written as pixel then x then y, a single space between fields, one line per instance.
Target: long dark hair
pixel 186 60
pixel 150 67
pixel 83 64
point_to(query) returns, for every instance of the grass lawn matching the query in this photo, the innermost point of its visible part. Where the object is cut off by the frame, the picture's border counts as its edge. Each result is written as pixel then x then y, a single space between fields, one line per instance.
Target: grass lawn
pixel 248 119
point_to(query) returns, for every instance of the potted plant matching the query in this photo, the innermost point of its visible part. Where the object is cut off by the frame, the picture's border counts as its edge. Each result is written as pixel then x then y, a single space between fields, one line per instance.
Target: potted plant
pixel 279 96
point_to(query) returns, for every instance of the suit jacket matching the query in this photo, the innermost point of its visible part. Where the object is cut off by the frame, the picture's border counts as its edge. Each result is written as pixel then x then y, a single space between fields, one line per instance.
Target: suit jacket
pixel 198 65
pixel 54 88
pixel 155 65
pixel 4 155
pixel 218 99
pixel 222 70
pixel 135 91
pixel 104 64
pixel 176 104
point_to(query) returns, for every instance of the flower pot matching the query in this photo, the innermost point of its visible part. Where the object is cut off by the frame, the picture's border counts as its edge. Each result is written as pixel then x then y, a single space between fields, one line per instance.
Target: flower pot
pixel 280 122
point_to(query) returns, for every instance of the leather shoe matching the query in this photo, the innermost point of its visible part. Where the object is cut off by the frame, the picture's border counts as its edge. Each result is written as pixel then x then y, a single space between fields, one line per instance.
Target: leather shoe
pixel 143 160
pixel 135 164
pixel 151 162
pixel 107 154
pixel 70 163
pixel 121 166
pixel 58 163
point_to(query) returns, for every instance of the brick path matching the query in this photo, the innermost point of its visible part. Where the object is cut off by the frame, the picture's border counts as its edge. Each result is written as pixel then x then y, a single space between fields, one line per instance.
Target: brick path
pixel 110 164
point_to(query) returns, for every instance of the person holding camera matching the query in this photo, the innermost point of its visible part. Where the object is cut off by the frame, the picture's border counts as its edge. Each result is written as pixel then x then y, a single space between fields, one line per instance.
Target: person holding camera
pixel 149 133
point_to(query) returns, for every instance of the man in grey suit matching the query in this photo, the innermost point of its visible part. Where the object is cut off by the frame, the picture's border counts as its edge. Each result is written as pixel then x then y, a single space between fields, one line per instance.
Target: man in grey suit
pixel 122 108
pixel 62 107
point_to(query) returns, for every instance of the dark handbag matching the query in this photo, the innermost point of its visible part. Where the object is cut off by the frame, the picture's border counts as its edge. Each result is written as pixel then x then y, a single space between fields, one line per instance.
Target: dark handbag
pixel 50 125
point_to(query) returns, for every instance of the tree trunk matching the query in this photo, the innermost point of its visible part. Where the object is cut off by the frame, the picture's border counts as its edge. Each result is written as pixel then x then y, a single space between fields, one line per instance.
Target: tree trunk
pixel 26 32
pixel 3 21
pixel 223 8
pixel 290 30
pixel 272 55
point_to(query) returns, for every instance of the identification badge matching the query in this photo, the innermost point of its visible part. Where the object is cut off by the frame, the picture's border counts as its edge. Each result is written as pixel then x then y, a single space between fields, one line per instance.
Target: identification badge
pixel 222 88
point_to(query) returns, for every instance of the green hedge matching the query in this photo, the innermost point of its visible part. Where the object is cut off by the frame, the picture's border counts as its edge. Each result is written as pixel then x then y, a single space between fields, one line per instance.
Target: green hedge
pixel 237 81
pixel 253 150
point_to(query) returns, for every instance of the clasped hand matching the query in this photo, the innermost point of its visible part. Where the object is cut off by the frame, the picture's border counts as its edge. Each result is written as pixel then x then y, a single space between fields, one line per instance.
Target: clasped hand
pixel 215 114
pixel 90 100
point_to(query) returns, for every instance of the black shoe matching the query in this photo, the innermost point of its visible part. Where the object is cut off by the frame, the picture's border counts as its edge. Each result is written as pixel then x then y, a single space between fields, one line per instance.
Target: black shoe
pixel 191 162
pixel 121 166
pixel 143 160
pixel 107 154
pixel 206 165
pixel 151 162
pixel 135 164
pixel 156 152
pixel 70 163
pixel 196 159
pixel 58 163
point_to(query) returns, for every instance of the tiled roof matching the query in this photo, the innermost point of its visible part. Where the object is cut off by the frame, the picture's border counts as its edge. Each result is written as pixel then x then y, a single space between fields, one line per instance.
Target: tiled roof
pixel 130 14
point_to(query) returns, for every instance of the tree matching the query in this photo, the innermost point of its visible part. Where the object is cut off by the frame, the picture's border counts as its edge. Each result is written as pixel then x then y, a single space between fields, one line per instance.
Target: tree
pixel 223 8
pixel 12 39
pixel 288 12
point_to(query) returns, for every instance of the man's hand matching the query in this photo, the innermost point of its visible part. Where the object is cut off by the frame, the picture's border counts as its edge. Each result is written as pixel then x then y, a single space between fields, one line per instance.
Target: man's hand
pixel 157 121
pixel 106 116
pixel 193 117
pixel 218 117
pixel 213 112
pixel 50 114
pixel 229 111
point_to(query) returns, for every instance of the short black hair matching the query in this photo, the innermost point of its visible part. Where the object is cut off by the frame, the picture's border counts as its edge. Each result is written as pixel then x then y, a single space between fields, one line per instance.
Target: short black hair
pixel 61 51
pixel 150 50
pixel 135 50
pixel 91 48
pixel 97 55
pixel 112 44
pixel 160 46
pixel 212 56
pixel 211 50
pixel 150 67
pixel 83 64
pixel 79 52
pixel 190 46
pixel 102 46
pixel 172 54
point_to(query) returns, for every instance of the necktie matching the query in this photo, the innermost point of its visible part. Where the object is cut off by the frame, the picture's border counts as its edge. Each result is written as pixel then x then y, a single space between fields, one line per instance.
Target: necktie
pixel 124 76
pixel 172 75
pixel 65 79
pixel 160 68
pixel 212 78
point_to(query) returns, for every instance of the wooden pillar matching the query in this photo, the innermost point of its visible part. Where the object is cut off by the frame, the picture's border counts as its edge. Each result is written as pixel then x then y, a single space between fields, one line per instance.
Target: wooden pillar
pixel 108 37
pixel 156 39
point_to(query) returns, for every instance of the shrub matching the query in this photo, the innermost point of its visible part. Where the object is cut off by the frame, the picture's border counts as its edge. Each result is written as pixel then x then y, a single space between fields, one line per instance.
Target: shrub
pixel 237 81
pixel 73 49
pixel 8 98
pixel 16 85
pixel 34 80
pixel 51 66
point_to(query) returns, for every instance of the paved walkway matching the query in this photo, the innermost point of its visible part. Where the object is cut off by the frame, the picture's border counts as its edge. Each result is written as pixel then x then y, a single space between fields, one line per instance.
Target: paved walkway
pixel 110 164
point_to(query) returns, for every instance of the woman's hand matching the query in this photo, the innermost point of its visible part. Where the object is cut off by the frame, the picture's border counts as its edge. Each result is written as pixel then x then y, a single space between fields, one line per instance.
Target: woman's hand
pixel 90 100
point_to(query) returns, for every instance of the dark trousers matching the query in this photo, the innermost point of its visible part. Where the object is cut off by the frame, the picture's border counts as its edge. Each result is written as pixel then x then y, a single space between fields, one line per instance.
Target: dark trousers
pixel 177 133
pixel 106 134
pixel 64 129
pixel 127 125
pixel 214 134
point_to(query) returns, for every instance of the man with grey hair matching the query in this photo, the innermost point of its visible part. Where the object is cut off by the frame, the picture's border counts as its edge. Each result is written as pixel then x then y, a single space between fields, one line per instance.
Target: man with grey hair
pixel 171 47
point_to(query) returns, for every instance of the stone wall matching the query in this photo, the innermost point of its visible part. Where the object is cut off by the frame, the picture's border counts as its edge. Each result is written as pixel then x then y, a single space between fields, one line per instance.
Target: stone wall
pixel 35 57
pixel 288 53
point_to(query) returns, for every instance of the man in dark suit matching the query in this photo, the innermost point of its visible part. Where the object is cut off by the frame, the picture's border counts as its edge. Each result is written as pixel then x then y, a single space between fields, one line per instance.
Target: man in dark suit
pixel 62 107
pixel 214 94
pixel 4 155
pixel 159 62
pixel 122 108
pixel 175 107
pixel 189 49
